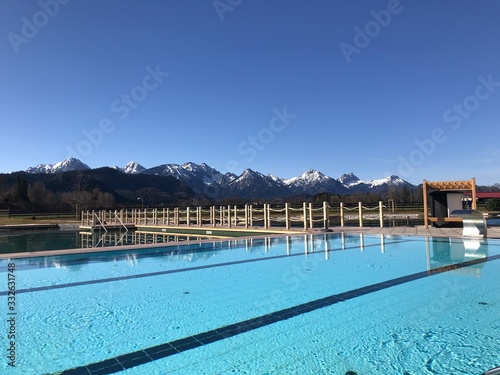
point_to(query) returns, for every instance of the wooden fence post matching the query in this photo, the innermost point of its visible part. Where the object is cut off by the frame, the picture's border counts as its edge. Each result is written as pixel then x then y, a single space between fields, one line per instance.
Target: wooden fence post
pixel 246 215
pixel 381 214
pixel 304 209
pixel 269 215
pixel 287 216
pixel 342 214
pixel 311 216
pixel 325 215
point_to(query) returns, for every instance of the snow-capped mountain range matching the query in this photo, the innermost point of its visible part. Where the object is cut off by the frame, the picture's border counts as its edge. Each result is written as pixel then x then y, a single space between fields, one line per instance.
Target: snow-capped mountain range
pixel 210 182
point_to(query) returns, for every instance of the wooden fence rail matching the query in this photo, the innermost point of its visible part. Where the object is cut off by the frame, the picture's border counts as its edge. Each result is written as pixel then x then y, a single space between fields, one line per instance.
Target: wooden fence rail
pixel 245 216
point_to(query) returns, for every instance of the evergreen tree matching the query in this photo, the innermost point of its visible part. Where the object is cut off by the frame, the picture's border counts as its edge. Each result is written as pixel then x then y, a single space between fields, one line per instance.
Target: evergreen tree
pixel 493 204
pixel 21 189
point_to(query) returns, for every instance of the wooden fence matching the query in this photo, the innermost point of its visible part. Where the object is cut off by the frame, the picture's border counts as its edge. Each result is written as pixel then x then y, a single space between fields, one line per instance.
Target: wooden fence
pixel 264 216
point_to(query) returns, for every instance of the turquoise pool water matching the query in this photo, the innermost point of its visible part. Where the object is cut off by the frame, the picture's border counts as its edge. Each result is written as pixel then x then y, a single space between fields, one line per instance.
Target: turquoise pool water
pixel 322 304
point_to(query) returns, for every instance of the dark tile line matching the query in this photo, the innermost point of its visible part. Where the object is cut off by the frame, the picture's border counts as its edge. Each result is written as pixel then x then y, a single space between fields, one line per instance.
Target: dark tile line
pixel 166 272
pixel 125 361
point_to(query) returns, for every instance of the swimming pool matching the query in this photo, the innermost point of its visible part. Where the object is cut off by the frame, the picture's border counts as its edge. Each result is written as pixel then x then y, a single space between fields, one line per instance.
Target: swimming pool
pixel 328 303
pixel 58 240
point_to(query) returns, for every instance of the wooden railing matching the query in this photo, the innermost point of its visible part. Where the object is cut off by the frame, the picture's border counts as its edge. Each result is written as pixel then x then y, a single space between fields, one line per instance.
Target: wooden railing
pixel 265 216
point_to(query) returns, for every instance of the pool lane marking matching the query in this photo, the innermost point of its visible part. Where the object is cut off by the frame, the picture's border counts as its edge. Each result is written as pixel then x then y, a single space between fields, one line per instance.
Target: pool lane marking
pixel 151 354
pixel 178 270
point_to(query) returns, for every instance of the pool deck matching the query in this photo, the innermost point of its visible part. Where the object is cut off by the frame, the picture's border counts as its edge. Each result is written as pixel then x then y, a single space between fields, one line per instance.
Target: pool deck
pixel 419 230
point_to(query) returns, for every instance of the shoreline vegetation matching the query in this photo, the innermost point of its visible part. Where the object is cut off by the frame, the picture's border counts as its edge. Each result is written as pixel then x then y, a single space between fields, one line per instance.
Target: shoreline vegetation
pixel 38 219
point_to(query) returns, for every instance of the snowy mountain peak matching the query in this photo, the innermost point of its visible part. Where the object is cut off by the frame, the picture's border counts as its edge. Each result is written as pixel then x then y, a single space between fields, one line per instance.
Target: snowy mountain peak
pixel 311 176
pixel 389 180
pixel 133 168
pixel 277 179
pixel 255 184
pixel 198 168
pixel 203 172
pixel 252 177
pixel 248 173
pixel 313 182
pixel 190 166
pixel 71 164
pixel 349 179
pixel 312 172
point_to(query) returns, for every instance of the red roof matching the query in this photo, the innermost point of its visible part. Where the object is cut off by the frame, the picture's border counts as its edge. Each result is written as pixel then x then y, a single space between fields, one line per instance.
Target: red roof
pixel 484 194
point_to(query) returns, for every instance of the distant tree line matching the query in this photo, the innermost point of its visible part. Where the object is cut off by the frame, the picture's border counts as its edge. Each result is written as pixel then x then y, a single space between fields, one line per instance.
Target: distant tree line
pixel 493 204
pixel 103 188
pixel 400 195
pixel 35 196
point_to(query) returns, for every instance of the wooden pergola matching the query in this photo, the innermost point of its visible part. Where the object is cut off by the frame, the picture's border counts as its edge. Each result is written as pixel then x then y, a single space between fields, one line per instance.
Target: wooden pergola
pixel 428 187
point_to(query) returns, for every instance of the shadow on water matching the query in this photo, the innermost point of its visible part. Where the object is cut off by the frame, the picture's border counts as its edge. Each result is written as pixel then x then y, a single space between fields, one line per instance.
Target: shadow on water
pixel 38 241
pixel 60 240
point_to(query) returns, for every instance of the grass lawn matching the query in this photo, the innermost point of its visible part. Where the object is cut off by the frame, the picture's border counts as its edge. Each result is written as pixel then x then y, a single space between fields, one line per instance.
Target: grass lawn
pixel 39 219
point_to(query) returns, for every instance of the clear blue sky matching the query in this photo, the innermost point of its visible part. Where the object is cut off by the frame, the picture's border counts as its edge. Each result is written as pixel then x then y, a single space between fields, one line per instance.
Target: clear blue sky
pixel 374 87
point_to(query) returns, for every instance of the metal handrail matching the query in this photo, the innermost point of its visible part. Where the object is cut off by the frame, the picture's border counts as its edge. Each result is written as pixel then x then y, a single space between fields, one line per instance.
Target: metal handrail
pixel 493 371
